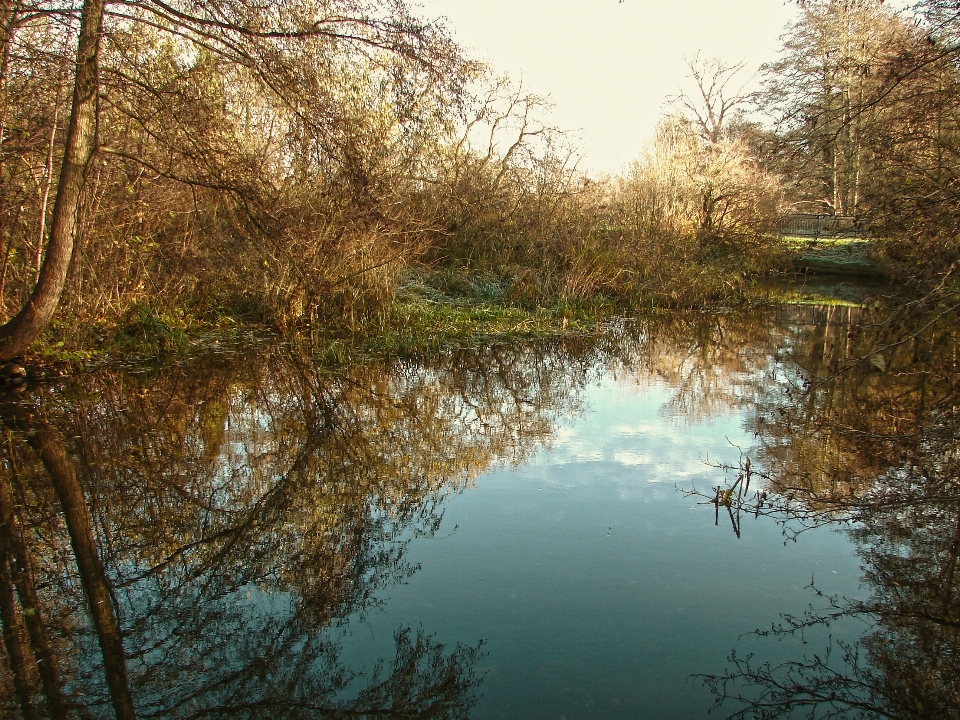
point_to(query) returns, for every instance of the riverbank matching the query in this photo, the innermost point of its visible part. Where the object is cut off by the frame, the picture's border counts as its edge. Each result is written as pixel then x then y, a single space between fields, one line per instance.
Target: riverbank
pixel 429 310
pixel 435 309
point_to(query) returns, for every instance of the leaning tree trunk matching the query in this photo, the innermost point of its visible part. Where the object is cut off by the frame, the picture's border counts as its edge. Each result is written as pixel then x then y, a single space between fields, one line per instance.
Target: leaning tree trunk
pixel 13 639
pixel 21 330
pixel 45 441
pixel 21 574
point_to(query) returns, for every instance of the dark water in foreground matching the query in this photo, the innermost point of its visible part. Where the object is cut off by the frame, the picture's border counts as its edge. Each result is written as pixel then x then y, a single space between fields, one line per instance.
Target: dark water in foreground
pixel 599 587
pixel 519 531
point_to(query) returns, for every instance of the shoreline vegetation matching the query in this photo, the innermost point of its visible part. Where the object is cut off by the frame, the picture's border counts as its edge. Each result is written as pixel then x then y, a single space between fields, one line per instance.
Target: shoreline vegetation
pixel 351 178
pixel 437 310
pixel 428 317
pixel 432 311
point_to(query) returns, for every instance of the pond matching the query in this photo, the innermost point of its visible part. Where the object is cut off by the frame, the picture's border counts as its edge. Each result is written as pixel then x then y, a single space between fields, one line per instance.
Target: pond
pixel 580 527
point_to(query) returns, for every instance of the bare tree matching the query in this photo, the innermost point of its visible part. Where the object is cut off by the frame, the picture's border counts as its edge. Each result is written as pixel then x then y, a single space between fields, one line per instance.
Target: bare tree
pixel 282 49
pixel 829 95
pixel 721 94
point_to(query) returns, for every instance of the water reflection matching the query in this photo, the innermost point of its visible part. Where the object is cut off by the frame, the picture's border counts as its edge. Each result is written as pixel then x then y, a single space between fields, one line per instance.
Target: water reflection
pixel 190 541
pixel 233 512
pixel 866 433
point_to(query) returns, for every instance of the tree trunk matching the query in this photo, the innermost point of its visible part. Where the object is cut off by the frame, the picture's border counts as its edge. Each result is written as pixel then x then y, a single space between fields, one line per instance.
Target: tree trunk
pixel 46 442
pixel 21 330
pixel 14 640
pixel 22 576
pixel 48 446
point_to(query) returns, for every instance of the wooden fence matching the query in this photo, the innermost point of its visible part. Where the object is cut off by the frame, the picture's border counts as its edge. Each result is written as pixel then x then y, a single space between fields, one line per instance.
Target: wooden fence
pixel 816 226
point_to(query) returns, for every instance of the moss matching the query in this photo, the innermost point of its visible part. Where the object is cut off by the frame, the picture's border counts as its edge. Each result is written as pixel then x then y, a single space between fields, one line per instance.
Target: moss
pixel 431 310
pixel 441 312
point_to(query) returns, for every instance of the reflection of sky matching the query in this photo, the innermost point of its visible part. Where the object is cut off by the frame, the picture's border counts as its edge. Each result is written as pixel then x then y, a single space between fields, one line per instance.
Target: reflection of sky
pixel 625 424
pixel 597 586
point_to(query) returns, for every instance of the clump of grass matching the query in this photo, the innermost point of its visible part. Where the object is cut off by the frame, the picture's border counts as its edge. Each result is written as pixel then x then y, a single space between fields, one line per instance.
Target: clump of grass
pixel 823 241
pixel 442 309
pixel 793 297
pixel 146 331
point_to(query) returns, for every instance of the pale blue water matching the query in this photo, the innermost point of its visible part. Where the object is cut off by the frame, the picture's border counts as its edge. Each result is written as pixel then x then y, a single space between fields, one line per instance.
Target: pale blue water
pixel 597 586
pixel 291 540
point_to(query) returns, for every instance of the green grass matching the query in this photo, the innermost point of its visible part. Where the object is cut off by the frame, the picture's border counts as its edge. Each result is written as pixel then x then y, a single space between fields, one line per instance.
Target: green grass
pixel 423 325
pixel 795 240
pixel 419 328
pixel 792 297
pixel 439 311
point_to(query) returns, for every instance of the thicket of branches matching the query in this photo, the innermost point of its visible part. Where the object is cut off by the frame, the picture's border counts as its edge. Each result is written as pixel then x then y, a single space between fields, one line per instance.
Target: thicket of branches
pixel 290 163
pixel 866 104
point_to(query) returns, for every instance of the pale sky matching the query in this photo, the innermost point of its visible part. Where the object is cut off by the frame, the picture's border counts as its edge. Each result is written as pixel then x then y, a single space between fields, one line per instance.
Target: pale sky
pixel 609 66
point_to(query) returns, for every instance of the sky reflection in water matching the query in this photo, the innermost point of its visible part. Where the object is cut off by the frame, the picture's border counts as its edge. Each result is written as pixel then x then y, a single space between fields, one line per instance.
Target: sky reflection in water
pixel 272 529
pixel 598 586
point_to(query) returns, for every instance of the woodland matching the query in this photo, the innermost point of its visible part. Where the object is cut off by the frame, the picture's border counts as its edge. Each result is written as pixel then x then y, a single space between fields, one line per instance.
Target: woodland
pixel 185 539
pixel 336 166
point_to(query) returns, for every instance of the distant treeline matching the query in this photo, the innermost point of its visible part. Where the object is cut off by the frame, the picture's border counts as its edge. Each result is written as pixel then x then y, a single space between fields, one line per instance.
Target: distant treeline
pixel 289 163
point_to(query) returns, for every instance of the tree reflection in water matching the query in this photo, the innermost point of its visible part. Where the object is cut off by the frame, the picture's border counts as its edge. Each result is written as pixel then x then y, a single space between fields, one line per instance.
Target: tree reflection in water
pixel 187 543
pixel 869 438
pixel 223 519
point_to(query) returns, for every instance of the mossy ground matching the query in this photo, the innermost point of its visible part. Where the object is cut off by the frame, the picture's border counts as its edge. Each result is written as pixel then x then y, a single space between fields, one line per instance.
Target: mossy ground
pixel 432 311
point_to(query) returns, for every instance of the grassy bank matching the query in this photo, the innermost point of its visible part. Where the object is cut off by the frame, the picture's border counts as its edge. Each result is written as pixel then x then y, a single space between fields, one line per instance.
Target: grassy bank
pixel 430 311
pixel 427 309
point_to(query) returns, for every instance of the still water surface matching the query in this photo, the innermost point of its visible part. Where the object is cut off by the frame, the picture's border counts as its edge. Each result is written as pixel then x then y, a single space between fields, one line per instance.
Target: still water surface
pixel 598 587
pixel 500 533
